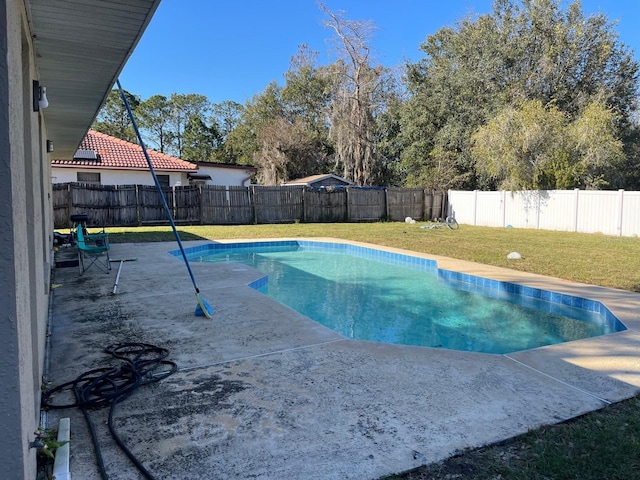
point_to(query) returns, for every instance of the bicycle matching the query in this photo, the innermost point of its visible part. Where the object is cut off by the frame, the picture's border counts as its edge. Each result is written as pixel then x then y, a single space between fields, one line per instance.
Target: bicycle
pixel 450 222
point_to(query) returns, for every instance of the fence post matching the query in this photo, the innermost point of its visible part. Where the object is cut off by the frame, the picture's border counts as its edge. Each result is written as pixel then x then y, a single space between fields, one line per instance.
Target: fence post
pixel 575 209
pixel 255 208
pixel 475 207
pixel 200 204
pixel 69 204
pixel 386 203
pixel 428 204
pixel 444 206
pixel 304 204
pixel 538 195
pixel 346 207
pixel 138 216
pixel 620 207
pixel 174 202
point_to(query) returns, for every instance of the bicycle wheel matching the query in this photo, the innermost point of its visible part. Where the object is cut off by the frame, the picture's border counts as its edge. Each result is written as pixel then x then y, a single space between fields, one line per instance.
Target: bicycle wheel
pixel 452 223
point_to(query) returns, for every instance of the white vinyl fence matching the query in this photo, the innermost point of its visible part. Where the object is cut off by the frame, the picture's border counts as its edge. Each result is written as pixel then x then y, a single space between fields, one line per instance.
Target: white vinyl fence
pixel 613 212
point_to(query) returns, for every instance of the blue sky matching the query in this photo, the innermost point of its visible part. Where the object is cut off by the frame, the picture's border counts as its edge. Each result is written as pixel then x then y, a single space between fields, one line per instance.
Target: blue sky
pixel 232 49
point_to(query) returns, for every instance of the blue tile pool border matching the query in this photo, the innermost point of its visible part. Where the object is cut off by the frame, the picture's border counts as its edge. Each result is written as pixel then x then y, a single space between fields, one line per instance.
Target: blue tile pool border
pixel 458 280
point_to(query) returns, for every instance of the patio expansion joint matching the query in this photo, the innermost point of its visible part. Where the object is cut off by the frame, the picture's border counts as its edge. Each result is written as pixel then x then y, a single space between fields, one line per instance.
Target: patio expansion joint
pixel 573 387
pixel 260 355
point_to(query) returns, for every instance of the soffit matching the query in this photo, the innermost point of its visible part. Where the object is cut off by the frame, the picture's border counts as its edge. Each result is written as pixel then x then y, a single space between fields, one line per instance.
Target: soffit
pixel 81 46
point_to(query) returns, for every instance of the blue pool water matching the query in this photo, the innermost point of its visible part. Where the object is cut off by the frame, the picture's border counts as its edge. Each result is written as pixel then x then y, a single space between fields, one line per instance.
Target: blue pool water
pixel 369 294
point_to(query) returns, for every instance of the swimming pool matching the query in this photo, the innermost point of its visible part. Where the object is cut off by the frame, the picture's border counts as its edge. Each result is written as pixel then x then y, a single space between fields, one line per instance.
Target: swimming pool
pixel 370 294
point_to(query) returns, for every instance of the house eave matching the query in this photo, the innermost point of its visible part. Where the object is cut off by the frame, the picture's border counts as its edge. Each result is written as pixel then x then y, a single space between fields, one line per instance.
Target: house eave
pixel 81 47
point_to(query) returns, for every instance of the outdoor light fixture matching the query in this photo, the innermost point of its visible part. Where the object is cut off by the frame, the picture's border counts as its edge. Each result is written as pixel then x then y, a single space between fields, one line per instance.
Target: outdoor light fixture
pixel 49 145
pixel 39 96
pixel 44 101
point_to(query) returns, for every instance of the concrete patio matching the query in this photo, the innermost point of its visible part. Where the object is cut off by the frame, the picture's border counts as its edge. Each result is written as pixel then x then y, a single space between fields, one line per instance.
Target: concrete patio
pixel 263 392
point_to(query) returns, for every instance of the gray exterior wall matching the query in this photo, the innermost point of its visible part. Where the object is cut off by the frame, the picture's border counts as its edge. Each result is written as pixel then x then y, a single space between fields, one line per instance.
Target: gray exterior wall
pixel 25 239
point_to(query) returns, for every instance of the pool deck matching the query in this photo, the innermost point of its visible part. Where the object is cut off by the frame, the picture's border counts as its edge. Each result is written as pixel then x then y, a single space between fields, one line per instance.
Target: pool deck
pixel 263 392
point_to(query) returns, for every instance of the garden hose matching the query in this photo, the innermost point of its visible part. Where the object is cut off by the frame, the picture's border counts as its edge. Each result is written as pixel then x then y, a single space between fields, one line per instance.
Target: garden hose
pixel 106 387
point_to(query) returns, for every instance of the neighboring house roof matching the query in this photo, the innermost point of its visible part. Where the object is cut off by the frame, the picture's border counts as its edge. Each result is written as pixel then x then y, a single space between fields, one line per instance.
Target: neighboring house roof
pixel 313 179
pixel 104 152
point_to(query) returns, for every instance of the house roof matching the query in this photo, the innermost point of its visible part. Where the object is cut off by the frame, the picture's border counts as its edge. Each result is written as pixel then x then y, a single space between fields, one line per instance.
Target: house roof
pixel 114 154
pixel 81 47
pixel 317 178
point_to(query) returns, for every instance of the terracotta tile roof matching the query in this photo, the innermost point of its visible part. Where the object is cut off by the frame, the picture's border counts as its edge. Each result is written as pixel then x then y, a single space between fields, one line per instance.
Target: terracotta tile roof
pixel 113 153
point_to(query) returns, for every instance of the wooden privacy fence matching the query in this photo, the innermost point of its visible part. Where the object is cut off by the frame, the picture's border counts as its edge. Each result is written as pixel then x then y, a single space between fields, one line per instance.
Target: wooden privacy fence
pixel 135 205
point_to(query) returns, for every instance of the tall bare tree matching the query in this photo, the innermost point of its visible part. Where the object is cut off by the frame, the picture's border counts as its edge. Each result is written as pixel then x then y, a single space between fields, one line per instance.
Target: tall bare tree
pixel 357 82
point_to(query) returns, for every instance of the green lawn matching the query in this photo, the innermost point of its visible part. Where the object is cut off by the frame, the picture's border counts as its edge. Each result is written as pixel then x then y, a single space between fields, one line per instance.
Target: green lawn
pixel 588 258
pixel 601 445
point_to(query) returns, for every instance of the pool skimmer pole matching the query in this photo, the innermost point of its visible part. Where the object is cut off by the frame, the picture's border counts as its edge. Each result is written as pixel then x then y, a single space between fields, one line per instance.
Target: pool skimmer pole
pixel 121 260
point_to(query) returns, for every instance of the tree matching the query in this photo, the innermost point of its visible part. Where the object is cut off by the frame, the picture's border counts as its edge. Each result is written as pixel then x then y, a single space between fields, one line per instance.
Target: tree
pixel 200 141
pixel 598 152
pixel 386 138
pixel 113 118
pixel 154 119
pixel 242 142
pixel 523 148
pixel 239 147
pixel 536 147
pixel 524 50
pixel 357 83
pixel 183 109
pixel 226 117
pixel 286 127
pixel 307 90
pixel 631 140
pixel 286 151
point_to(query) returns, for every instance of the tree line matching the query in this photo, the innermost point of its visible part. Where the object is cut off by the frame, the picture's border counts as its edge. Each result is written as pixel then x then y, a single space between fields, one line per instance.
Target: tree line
pixel 529 96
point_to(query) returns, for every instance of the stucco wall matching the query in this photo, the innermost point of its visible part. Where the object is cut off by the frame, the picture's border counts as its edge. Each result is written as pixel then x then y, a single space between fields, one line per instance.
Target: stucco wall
pixel 226 176
pixel 117 177
pixel 25 221
pixel 219 176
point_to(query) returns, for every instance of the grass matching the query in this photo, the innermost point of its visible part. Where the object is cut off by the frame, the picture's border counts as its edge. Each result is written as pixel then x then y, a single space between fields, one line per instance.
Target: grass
pixel 600 445
pixel 597 446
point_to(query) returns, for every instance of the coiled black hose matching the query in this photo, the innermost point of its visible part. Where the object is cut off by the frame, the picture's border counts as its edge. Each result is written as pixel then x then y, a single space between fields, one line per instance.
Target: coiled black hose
pixel 106 387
